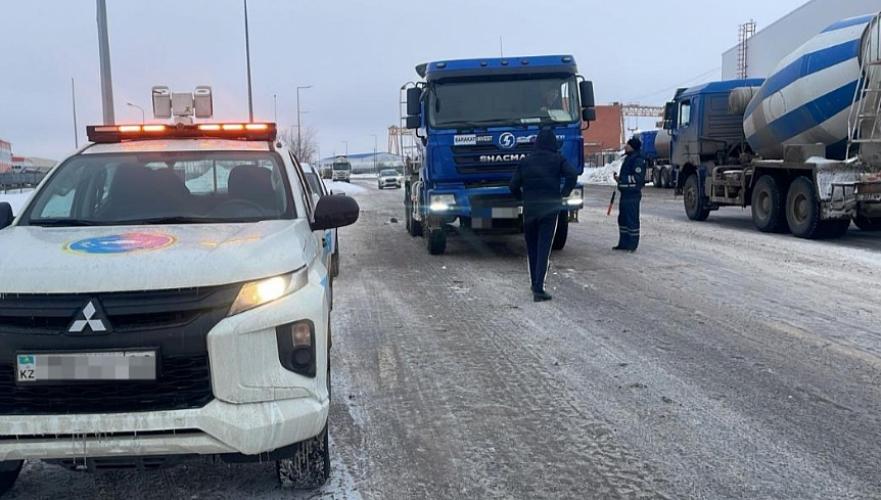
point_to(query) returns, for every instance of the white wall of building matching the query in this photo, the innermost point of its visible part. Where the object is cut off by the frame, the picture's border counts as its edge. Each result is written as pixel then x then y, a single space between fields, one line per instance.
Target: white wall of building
pixel 773 43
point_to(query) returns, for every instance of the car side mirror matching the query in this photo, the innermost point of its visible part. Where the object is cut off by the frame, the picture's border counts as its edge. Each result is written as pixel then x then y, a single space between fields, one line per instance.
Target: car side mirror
pixel 414 101
pixel 589 114
pixel 587 97
pixel 335 211
pixel 6 216
pixel 670 115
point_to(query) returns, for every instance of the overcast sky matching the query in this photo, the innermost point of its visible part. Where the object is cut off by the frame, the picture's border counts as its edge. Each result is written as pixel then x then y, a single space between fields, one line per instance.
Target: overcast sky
pixel 355 53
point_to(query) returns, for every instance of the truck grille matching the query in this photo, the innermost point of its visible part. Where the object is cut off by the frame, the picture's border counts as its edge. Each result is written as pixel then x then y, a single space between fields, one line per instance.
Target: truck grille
pixel 174 322
pixel 468 159
pixel 183 382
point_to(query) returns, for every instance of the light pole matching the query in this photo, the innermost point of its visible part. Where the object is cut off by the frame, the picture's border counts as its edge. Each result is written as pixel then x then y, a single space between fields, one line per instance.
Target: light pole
pixel 133 105
pixel 248 59
pixel 275 107
pixel 300 135
pixel 347 148
pixel 375 146
pixel 104 57
pixel 76 137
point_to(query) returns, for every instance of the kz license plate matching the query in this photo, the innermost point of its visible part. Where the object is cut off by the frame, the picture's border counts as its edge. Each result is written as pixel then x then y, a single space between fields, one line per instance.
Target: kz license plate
pixel 506 212
pixel 91 366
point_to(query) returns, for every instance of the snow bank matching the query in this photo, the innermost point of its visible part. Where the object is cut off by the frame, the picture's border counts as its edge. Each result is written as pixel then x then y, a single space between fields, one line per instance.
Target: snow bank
pixel 16 199
pixel 602 176
pixel 344 187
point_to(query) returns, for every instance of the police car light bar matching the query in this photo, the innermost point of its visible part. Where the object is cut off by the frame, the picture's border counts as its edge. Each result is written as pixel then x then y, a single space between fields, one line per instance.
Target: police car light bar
pixel 235 131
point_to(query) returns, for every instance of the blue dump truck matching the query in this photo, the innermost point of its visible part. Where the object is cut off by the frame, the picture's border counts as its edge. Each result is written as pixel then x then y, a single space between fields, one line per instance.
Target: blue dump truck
pixel 801 149
pixel 475 120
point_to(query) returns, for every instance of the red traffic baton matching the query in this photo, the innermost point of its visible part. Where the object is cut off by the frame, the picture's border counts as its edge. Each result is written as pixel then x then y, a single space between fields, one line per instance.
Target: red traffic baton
pixel 611 203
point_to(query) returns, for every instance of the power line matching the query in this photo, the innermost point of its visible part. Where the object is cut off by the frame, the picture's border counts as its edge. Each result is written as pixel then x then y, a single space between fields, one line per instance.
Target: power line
pixel 678 85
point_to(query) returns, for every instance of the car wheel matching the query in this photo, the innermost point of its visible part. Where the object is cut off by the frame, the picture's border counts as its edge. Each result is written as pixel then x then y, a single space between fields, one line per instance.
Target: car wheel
pixel 309 467
pixel 9 472
pixel 562 233
pixel 695 207
pixel 768 210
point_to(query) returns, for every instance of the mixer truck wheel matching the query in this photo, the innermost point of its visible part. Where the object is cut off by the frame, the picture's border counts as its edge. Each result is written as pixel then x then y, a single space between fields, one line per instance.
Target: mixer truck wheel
pixel 666 182
pixel 769 213
pixel 867 224
pixel 562 233
pixel 437 241
pixel 803 210
pixel 695 207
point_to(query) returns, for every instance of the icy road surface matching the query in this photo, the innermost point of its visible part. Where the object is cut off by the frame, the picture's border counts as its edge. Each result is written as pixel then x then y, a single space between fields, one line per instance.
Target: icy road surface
pixel 718 362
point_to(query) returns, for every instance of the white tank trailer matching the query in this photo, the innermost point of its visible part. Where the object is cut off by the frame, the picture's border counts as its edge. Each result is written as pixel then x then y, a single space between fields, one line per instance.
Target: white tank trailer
pixel 814 132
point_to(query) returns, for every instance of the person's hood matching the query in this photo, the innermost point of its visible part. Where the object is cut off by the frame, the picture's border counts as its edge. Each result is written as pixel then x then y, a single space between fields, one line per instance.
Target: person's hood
pixel 546 141
pixel 135 258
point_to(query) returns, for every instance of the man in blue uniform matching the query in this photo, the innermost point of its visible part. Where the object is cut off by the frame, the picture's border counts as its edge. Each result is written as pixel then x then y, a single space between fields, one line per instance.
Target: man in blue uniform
pixel 542 180
pixel 630 183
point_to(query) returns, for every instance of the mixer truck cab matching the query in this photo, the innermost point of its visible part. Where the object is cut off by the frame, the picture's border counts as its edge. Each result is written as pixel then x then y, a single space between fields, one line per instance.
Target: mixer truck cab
pixel 476 120
pixel 174 303
pixel 802 148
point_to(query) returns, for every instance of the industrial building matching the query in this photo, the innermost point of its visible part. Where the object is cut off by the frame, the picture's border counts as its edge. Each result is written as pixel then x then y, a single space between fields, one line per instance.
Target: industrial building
pixel 5 156
pixel 758 54
pixel 607 132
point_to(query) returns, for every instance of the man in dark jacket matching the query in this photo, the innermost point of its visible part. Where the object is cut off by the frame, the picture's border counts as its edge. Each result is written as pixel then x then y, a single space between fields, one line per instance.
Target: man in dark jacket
pixel 542 180
pixel 630 183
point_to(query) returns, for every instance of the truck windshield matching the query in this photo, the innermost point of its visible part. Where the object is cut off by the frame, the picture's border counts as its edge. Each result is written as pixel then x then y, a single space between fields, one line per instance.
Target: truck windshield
pixel 503 102
pixel 342 166
pixel 163 188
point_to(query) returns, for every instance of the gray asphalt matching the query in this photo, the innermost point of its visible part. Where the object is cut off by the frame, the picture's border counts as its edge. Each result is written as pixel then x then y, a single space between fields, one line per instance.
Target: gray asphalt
pixel 717 362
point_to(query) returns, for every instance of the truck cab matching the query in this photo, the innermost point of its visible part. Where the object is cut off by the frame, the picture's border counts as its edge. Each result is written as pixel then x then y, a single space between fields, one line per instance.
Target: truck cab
pixel 476 120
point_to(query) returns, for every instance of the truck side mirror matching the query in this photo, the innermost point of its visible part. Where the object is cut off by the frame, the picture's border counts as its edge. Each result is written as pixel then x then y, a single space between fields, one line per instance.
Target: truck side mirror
pixel 414 101
pixel 587 97
pixel 670 115
pixel 589 114
pixel 6 216
pixel 413 122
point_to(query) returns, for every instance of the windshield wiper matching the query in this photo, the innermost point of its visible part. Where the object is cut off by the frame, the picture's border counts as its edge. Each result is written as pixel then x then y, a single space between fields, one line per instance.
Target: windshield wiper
pixel 186 220
pixel 64 222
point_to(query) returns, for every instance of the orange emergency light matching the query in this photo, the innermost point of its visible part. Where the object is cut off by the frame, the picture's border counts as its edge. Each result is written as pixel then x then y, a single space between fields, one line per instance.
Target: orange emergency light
pixel 234 131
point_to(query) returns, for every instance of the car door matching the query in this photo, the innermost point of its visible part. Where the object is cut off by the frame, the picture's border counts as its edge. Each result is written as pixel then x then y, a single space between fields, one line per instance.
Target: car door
pixel 323 238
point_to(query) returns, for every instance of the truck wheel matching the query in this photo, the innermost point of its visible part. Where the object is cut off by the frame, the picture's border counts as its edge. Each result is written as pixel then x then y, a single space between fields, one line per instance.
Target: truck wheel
pixel 695 207
pixel 437 241
pixel 769 213
pixel 867 224
pixel 9 472
pixel 666 183
pixel 414 227
pixel 656 177
pixel 803 210
pixel 562 233
pixel 309 467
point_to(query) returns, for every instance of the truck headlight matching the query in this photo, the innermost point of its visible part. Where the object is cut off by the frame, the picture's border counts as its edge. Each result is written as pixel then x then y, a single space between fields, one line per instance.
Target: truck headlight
pixel 576 198
pixel 261 292
pixel 441 202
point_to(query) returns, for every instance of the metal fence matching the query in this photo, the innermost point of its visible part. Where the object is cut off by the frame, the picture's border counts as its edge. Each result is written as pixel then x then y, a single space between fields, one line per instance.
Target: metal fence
pixel 20 180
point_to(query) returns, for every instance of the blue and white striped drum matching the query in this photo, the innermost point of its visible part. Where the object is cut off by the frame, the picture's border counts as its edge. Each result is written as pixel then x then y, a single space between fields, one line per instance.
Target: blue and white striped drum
pixel 807 100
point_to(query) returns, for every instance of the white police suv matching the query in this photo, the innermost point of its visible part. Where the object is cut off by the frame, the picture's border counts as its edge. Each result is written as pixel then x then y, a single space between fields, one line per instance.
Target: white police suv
pixel 165 294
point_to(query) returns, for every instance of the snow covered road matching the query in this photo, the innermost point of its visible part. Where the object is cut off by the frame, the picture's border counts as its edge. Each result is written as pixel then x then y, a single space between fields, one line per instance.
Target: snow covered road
pixel 718 362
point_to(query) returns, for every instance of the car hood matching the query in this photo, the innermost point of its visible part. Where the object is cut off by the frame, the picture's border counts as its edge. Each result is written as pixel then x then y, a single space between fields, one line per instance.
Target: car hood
pixel 132 258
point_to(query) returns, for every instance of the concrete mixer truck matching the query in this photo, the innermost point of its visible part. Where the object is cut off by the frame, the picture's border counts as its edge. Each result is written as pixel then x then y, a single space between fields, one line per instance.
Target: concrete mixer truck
pixel 802 149
pixel 656 149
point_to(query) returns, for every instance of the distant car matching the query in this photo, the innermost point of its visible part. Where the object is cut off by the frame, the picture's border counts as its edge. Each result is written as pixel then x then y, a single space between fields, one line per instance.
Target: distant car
pixel 388 178
pixel 320 190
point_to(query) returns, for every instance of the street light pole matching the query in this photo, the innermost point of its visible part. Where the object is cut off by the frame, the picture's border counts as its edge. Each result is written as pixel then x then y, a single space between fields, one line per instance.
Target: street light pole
pixel 299 134
pixel 104 56
pixel 76 137
pixel 375 146
pixel 275 107
pixel 248 58
pixel 143 116
pixel 347 148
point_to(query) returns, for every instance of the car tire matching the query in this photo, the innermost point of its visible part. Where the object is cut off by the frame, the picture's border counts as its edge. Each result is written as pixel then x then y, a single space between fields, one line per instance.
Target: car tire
pixel 309 467
pixel 803 211
pixel 769 206
pixel 436 240
pixel 562 233
pixel 867 224
pixel 695 207
pixel 9 472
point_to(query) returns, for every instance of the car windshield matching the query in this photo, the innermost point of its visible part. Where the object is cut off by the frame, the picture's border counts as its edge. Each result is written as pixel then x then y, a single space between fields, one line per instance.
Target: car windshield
pixel 503 102
pixel 163 188
pixel 389 173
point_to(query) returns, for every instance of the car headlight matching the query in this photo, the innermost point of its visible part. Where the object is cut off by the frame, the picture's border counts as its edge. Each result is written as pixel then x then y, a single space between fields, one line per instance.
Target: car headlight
pixel 257 293
pixel 441 202
pixel 576 198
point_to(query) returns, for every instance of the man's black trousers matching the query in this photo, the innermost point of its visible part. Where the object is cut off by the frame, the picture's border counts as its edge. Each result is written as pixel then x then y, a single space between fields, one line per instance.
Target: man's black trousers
pixel 539 233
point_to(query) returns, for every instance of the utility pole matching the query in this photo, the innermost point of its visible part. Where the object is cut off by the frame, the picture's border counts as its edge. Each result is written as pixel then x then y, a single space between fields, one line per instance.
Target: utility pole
pixel 248 58
pixel 275 107
pixel 347 148
pixel 501 47
pixel 104 56
pixel 299 134
pixel 76 138
pixel 375 146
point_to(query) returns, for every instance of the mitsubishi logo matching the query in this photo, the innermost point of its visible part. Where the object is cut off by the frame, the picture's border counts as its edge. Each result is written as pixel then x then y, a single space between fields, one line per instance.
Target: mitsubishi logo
pixel 507 140
pixel 90 317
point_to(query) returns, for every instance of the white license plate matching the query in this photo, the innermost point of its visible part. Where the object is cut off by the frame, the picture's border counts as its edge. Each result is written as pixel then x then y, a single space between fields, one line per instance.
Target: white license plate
pixel 506 213
pixel 89 366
